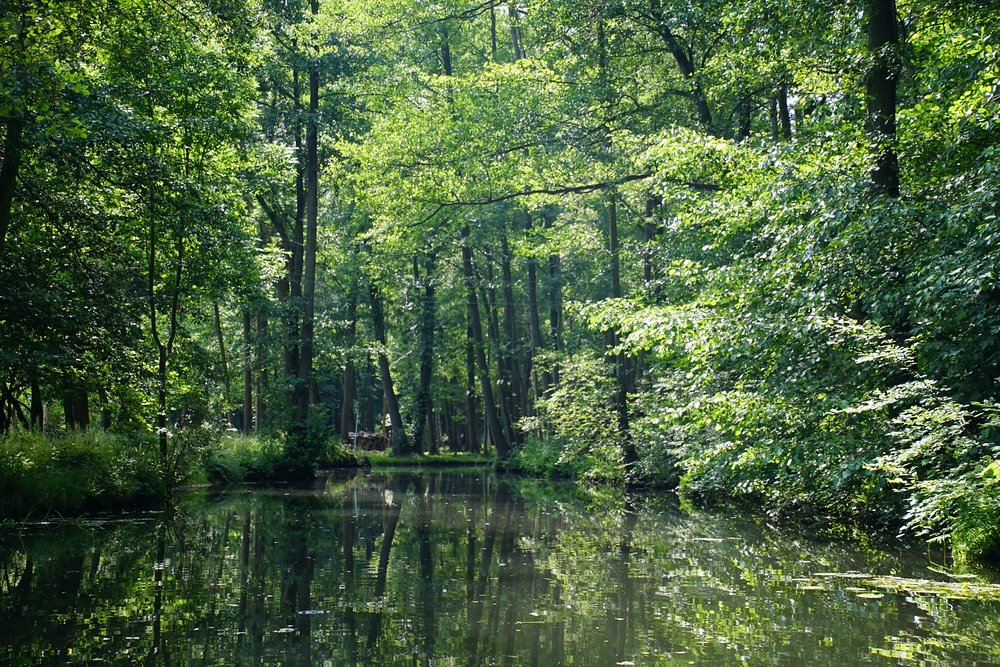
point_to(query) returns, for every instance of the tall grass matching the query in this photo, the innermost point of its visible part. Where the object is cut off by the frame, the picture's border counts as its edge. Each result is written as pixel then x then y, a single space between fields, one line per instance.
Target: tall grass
pixel 45 475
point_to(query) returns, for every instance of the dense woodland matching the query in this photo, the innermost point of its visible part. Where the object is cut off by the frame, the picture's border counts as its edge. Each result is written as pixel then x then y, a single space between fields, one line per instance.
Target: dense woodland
pixel 746 249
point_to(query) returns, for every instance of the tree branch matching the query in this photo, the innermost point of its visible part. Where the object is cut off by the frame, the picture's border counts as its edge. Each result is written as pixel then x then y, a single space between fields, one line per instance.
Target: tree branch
pixel 560 190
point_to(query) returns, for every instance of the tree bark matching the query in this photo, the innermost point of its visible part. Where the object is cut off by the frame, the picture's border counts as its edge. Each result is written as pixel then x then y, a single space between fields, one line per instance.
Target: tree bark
pixel 783 115
pixel 398 439
pixel 687 69
pixel 618 359
pixel 471 414
pixel 555 307
pixel 493 328
pixel 8 176
pixel 515 388
pixel 544 379
pixel 36 410
pixel 880 89
pixel 247 373
pixel 261 402
pixel 424 399
pixel 222 356
pixel 493 425
pixel 305 370
pixel 347 425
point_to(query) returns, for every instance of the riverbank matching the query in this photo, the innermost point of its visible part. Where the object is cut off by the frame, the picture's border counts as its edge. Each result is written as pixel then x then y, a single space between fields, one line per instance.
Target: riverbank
pixel 76 472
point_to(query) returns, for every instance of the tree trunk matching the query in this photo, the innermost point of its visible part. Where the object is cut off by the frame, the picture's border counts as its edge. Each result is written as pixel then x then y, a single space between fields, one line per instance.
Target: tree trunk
pixel 106 414
pixel 493 425
pixel 493 328
pixel 880 89
pixel 36 410
pixel 471 416
pixel 541 384
pixel 783 115
pixel 687 69
pixel 744 115
pixel 772 112
pixel 222 357
pixel 81 406
pixel 8 176
pixel 555 307
pixel 261 404
pixel 247 373
pixel 398 439
pixel 347 421
pixel 516 389
pixel 618 359
pixel 305 370
pixel 426 349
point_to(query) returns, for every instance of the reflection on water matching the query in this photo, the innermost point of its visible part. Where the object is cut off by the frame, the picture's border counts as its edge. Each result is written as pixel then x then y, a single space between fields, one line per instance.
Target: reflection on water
pixel 465 569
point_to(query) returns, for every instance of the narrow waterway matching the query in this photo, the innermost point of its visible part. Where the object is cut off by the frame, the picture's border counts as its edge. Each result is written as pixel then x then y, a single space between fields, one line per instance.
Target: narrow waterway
pixel 465 568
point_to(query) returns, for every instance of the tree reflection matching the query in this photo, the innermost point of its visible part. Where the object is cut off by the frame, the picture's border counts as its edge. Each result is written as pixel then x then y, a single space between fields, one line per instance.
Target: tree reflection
pixel 445 568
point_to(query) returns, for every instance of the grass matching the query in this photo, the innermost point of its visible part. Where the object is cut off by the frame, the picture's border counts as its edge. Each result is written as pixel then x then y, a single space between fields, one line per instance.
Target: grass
pixel 387 460
pixel 44 475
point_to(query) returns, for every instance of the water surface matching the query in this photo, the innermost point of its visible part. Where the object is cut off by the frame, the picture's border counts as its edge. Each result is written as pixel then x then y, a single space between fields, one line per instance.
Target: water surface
pixel 464 568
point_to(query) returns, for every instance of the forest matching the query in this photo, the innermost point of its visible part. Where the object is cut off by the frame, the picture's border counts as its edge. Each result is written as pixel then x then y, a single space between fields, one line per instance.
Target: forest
pixel 745 250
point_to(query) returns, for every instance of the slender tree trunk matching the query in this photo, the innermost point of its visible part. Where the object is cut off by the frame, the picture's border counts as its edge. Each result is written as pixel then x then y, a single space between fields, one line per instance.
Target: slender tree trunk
pixel 68 405
pixel 503 369
pixel 880 88
pixel 471 416
pixel 493 425
pixel 515 389
pixel 220 339
pixel 81 406
pixel 261 405
pixel 164 349
pixel 542 384
pixel 36 411
pixel 555 308
pixel 295 247
pixel 426 349
pixel 305 370
pixel 687 69
pixel 161 405
pixel 772 112
pixel 106 414
pixel 516 32
pixel 8 176
pixel 744 115
pixel 347 425
pixel 619 359
pixel 247 372
pixel 398 437
pixel 783 115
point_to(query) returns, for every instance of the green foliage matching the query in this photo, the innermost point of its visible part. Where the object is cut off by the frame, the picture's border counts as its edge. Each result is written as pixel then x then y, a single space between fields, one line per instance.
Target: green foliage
pixel 947 464
pixel 235 459
pixel 580 412
pixel 67 474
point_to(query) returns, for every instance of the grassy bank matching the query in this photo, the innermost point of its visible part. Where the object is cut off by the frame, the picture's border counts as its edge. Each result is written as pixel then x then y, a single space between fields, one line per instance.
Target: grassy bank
pixel 449 459
pixel 43 476
pixel 71 473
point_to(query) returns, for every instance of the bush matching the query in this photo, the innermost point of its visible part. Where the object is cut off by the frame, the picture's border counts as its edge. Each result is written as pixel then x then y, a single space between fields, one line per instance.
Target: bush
pixel 260 458
pixel 238 458
pixel 948 467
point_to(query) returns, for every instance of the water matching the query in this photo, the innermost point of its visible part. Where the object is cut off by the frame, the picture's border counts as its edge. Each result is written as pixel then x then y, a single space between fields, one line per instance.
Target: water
pixel 462 568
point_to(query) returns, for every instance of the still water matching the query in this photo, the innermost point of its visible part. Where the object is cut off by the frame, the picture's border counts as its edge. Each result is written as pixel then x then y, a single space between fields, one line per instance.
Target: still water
pixel 464 568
